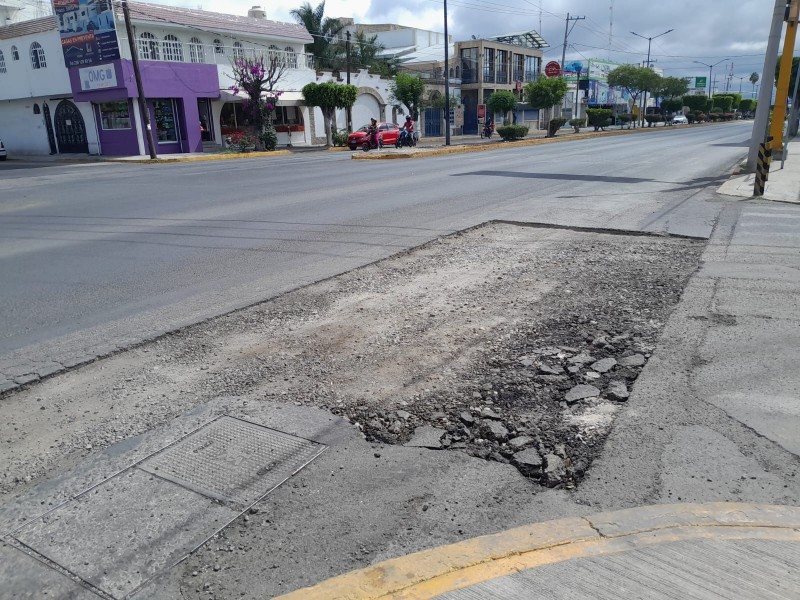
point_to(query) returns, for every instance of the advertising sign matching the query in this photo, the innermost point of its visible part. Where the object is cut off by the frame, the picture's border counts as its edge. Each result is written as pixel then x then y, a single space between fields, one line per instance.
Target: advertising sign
pixel 700 82
pixel 88 33
pixel 481 111
pixel 552 69
pixel 97 78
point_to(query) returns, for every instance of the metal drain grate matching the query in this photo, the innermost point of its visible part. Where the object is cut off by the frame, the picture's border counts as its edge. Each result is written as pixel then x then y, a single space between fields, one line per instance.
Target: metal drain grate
pixel 234 461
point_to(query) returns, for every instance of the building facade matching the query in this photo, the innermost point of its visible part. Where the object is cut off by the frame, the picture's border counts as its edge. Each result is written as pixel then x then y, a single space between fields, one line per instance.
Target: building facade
pixel 185 59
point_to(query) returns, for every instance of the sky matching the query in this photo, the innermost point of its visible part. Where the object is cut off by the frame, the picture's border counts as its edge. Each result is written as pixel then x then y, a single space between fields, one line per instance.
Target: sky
pixel 732 33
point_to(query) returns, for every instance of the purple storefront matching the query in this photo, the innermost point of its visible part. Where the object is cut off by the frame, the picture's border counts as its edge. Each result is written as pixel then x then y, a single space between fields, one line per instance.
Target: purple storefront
pixel 178 99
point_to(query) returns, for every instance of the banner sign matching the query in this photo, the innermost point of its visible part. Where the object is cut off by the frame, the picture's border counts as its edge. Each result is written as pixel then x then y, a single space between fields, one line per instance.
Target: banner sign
pixel 97 78
pixel 88 33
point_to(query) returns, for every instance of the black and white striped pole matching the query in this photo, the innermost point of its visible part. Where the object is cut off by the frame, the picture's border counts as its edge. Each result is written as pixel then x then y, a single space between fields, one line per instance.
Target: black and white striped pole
pixel 762 166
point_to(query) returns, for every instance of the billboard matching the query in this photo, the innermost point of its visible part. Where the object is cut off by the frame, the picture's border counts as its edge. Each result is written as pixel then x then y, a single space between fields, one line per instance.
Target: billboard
pixel 88 33
pixel 589 69
pixel 700 82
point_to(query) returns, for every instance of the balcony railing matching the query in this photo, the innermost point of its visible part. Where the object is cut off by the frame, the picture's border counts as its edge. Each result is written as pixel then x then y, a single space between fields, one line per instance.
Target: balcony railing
pixel 214 54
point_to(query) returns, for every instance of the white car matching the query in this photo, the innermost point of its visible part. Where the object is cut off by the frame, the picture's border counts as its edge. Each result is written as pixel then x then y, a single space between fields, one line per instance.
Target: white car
pixel 2 151
pixel 680 120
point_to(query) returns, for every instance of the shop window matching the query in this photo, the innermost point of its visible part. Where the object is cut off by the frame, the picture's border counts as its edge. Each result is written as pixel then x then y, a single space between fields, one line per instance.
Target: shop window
pixel 2 63
pixel 148 46
pixel 196 53
pixel 218 47
pixel 166 121
pixel 115 115
pixel 238 50
pixel 291 57
pixel 173 48
pixel 37 56
pixel 14 53
pixel 287 115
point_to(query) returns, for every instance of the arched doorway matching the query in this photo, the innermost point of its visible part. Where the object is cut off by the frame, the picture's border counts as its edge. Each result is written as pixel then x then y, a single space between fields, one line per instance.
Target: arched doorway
pixel 70 129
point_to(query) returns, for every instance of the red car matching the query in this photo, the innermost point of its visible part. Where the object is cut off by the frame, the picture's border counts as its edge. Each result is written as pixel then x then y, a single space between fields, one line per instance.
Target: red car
pixel 387 133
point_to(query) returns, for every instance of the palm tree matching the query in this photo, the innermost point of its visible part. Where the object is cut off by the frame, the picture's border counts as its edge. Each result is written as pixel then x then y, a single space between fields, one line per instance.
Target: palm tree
pixel 754 80
pixel 323 29
pixel 366 49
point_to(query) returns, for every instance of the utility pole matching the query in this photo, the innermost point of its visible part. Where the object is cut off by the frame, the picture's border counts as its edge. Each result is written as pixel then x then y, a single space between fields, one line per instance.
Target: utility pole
pixel 782 92
pixel 649 41
pixel 566 35
pixel 446 80
pixel 765 91
pixel 349 109
pixel 137 74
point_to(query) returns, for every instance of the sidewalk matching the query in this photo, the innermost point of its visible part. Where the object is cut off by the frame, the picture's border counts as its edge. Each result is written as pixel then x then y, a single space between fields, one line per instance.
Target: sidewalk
pixel 783 184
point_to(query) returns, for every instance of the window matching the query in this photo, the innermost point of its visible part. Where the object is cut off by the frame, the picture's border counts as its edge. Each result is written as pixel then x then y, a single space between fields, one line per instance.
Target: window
pixel 291 57
pixel 148 47
pixel 196 53
pixel 286 115
pixel 218 47
pixel 469 65
pixel 502 66
pixel 238 50
pixel 115 115
pixel 173 49
pixel 488 65
pixel 14 53
pixel 37 56
pixel 2 62
pixel 166 123
pixel 274 53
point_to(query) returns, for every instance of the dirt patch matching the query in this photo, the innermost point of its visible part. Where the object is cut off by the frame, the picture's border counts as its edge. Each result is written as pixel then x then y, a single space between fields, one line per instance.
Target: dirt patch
pixel 514 344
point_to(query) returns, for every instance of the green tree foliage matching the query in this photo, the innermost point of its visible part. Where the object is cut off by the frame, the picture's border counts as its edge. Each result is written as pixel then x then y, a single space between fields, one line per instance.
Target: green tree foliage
pixel 257 77
pixel 795 64
pixel 502 102
pixel 598 117
pixel 695 102
pixel 324 30
pixel 633 79
pixel 672 106
pixel 328 97
pixel 748 105
pixel 512 132
pixel 727 102
pixel 407 90
pixel 546 92
pixel 671 87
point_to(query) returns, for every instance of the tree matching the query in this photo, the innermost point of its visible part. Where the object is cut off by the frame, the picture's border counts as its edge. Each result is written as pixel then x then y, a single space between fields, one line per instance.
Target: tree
pixel 407 90
pixel 633 79
pixel 546 93
pixel 671 87
pixel 328 97
pixel 754 80
pixel 502 102
pixel 695 102
pixel 257 77
pixel 323 29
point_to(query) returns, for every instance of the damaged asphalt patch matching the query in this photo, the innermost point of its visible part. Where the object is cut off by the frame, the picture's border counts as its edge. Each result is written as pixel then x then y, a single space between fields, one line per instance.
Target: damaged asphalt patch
pixel 509 343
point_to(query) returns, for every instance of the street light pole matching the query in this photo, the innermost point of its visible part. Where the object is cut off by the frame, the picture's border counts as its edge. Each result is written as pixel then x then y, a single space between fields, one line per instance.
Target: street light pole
pixel 446 81
pixel 710 70
pixel 349 110
pixel 649 41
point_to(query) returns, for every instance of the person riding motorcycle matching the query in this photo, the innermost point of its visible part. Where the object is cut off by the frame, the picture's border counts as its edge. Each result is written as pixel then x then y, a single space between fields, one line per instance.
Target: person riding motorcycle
pixel 372 133
pixel 407 130
pixel 488 128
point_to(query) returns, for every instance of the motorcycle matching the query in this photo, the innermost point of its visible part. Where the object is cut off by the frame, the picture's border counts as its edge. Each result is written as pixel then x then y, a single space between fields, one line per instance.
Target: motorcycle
pixel 406 139
pixel 486 132
pixel 372 143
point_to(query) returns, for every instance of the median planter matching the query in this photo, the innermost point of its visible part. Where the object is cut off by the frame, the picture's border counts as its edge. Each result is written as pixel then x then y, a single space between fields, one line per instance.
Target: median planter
pixel 510 133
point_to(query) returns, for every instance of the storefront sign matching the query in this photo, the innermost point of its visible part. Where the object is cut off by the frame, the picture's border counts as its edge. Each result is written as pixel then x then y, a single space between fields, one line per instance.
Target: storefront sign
pixel 88 33
pixel 552 69
pixel 97 78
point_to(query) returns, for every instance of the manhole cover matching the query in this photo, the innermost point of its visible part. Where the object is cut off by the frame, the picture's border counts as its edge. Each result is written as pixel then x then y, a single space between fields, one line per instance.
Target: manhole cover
pixel 116 536
pixel 233 461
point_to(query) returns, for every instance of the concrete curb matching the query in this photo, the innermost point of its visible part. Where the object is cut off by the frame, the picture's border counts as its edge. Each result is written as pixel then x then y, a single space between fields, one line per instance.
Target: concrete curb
pixel 203 158
pixel 433 572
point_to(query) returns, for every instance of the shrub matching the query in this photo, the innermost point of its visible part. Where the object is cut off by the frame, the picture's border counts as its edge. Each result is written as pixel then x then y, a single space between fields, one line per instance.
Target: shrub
pixel 512 132
pixel 340 137
pixel 554 126
pixel 576 124
pixel 241 141
pixel 269 138
pixel 653 119
pixel 624 119
pixel 695 103
pixel 598 117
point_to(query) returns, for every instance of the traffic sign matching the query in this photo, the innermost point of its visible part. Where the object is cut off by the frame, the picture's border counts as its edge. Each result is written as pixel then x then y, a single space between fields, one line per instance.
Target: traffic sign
pixel 552 69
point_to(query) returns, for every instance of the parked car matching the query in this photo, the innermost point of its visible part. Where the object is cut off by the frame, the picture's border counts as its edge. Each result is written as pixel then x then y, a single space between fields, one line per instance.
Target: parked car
pixel 680 120
pixel 3 152
pixel 387 133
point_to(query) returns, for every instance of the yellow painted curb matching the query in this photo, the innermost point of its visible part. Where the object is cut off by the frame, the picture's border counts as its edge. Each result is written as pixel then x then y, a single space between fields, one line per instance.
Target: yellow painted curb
pixel 433 572
pixel 204 158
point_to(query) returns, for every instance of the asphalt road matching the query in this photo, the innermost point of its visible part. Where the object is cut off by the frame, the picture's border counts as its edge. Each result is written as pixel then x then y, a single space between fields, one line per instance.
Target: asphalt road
pixel 97 257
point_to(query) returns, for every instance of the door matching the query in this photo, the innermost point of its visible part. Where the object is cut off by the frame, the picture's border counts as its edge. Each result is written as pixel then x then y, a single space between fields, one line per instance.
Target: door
pixel 206 121
pixel 70 129
pixel 433 122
